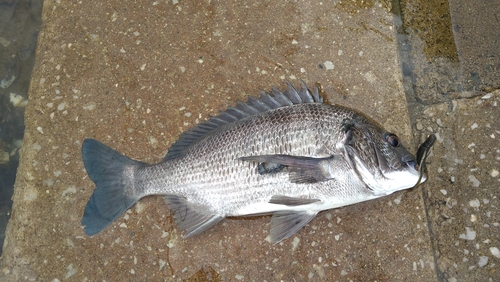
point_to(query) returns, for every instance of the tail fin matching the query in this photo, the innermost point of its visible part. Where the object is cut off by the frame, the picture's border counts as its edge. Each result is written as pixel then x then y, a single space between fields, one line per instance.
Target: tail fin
pixel 113 175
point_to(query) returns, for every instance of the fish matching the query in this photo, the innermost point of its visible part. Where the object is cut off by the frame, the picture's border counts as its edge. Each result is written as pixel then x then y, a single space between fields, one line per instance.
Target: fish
pixel 286 153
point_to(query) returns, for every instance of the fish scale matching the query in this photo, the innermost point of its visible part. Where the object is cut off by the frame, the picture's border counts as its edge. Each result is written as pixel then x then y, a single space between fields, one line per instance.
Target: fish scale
pixel 233 171
pixel 285 153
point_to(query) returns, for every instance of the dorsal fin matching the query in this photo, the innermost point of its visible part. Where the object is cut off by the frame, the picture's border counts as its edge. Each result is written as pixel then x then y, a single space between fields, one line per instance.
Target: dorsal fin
pixel 253 106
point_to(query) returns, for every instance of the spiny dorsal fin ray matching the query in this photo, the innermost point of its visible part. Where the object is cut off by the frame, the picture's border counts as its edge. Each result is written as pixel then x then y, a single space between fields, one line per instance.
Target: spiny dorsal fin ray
pixel 292 94
pixel 253 106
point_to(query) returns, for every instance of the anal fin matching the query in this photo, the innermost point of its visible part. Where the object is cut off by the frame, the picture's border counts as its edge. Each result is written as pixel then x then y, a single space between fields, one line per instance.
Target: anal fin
pixel 286 223
pixel 193 221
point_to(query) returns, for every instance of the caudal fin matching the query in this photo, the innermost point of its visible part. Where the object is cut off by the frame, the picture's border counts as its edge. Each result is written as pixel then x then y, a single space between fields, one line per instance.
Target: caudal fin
pixel 113 175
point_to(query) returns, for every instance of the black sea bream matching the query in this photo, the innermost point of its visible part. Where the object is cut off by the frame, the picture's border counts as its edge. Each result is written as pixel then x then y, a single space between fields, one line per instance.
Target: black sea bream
pixel 285 153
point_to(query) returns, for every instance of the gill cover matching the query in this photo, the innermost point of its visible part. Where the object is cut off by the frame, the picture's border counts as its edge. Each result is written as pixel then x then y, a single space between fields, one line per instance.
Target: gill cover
pixel 378 158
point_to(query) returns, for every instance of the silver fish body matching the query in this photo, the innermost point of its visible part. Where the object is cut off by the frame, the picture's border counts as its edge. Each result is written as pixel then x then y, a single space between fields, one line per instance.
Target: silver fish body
pixel 285 153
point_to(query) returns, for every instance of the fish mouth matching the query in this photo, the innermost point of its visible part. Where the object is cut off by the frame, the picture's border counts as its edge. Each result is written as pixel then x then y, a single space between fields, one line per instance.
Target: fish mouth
pixel 423 152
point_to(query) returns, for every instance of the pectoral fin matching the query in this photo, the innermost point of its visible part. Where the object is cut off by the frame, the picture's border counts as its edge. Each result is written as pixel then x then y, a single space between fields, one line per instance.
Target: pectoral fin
pixel 301 169
pixel 286 223
pixel 193 220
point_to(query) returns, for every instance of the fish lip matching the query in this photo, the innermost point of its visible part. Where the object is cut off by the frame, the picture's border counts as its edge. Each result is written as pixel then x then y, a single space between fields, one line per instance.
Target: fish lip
pixel 413 164
pixel 410 161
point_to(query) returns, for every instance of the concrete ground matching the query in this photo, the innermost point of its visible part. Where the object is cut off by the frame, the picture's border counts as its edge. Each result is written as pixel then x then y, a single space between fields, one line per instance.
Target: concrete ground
pixel 135 76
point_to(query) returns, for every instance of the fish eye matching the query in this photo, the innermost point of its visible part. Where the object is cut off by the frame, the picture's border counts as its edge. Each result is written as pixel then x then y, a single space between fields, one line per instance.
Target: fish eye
pixel 392 139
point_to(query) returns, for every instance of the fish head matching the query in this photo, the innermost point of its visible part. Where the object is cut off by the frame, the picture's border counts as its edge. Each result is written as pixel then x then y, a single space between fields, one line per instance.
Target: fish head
pixel 380 159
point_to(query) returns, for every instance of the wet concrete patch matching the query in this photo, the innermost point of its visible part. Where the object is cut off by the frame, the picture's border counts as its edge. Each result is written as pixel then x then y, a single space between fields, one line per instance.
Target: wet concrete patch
pixel 20 23
pixel 477 38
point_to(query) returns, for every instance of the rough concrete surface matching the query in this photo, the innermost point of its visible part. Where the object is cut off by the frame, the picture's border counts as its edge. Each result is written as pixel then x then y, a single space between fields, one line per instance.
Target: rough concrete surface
pixel 136 75
pixel 463 198
pixel 458 90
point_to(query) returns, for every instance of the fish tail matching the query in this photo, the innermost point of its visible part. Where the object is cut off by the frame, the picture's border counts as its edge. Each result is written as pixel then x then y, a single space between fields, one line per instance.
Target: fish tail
pixel 114 177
